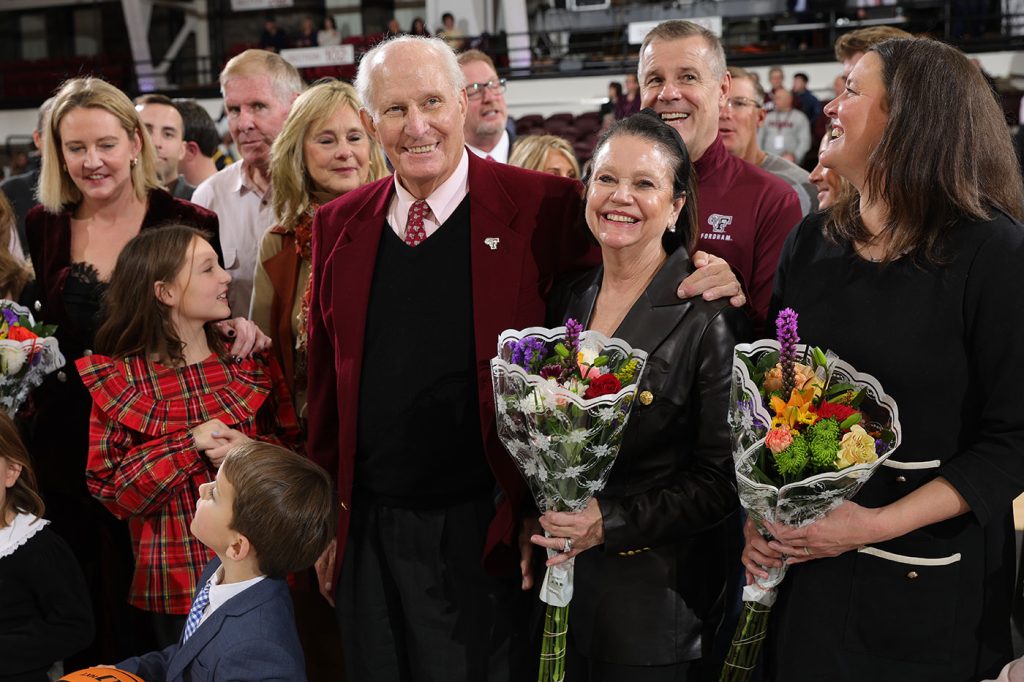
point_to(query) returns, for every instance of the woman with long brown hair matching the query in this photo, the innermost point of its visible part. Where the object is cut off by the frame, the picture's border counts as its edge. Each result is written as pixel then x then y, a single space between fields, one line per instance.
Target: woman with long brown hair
pixel 915 278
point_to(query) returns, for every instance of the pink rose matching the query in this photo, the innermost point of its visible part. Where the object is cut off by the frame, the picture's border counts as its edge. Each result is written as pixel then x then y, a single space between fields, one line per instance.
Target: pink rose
pixel 778 440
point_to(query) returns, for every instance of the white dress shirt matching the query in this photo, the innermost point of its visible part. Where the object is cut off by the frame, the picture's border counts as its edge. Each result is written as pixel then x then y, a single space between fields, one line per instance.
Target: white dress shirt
pixel 244 214
pixel 442 201
pixel 500 151
pixel 221 593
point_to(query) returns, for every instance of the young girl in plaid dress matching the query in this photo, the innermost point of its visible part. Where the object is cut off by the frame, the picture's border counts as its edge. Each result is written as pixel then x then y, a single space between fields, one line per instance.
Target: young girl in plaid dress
pixel 168 405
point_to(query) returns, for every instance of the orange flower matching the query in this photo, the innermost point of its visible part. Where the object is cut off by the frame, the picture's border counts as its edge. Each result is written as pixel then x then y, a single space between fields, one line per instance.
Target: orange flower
pixel 804 375
pixel 797 411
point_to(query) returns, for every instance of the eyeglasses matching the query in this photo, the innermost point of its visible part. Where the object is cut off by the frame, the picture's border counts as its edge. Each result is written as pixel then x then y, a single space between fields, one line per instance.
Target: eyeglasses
pixel 475 90
pixel 742 103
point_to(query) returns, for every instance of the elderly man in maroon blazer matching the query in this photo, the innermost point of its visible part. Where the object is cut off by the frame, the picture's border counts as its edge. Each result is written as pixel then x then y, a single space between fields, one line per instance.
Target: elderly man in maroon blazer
pixel 414 277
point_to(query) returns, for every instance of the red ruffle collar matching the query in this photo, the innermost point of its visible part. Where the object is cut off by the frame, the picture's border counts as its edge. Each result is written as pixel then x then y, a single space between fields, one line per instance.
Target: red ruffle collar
pixel 123 390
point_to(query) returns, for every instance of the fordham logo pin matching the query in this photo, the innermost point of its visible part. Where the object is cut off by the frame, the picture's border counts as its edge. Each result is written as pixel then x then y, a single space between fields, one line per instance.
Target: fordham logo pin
pixel 492 242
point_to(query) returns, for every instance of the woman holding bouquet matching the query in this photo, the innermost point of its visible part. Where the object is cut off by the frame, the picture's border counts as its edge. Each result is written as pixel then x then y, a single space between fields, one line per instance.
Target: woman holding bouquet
pixel 915 279
pixel 98 189
pixel 650 550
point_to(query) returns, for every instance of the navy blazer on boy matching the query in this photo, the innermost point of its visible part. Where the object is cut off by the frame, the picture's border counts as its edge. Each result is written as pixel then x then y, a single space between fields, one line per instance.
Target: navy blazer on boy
pixel 250 637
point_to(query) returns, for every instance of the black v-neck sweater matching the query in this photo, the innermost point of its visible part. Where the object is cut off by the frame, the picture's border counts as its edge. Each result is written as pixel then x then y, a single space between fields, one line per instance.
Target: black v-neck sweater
pixel 419 440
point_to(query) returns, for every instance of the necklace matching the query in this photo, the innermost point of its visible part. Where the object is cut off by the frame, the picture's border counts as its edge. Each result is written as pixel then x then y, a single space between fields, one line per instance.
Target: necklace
pixel 860 251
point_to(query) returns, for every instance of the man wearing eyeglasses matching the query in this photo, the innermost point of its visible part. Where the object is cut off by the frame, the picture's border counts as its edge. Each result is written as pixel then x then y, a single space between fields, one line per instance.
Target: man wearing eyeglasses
pixel 744 212
pixel 486 129
pixel 738 124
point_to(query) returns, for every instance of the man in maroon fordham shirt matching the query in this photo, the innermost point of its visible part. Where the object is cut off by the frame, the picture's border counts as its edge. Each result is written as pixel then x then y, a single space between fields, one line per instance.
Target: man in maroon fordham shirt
pixel 745 212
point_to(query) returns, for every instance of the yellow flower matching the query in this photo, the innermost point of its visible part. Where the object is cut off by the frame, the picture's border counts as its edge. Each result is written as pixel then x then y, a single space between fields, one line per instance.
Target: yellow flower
pixel 796 411
pixel 857 447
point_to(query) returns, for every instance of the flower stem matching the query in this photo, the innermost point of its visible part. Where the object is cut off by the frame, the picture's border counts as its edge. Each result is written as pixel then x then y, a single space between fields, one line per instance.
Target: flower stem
pixel 746 643
pixel 552 649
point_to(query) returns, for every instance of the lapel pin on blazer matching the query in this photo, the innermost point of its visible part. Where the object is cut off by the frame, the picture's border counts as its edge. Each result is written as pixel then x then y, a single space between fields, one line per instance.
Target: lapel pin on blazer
pixel 492 242
pixel 646 397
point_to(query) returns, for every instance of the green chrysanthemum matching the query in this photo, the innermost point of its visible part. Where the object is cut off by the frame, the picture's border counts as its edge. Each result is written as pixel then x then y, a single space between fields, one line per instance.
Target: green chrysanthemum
pixel 792 461
pixel 823 442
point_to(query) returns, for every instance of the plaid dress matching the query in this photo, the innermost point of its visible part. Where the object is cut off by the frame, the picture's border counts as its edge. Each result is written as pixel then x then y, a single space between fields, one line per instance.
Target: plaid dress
pixel 143 463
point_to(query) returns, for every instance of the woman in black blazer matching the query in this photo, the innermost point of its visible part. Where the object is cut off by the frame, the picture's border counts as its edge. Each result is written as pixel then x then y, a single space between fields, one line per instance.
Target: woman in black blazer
pixel 651 559
pixel 916 279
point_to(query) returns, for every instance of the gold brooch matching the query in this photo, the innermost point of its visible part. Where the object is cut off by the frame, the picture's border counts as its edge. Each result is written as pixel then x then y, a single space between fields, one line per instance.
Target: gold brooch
pixel 646 397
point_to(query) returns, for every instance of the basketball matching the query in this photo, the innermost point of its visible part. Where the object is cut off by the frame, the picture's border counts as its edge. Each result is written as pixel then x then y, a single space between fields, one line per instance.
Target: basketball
pixel 100 675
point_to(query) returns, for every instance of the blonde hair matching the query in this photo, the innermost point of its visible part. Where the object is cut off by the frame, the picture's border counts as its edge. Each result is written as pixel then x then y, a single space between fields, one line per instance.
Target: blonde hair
pixel 292 182
pixel 284 77
pixel 56 189
pixel 531 151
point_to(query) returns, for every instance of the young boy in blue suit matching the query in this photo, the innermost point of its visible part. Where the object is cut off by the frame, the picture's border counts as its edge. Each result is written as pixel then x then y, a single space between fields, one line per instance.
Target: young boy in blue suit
pixel 269 512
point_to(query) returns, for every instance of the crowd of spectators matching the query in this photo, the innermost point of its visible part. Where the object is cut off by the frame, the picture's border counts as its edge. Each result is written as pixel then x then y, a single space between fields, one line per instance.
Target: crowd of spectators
pixel 337 292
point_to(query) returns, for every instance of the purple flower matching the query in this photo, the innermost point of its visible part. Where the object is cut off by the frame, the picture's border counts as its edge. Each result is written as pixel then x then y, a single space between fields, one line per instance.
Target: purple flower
pixel 10 316
pixel 881 447
pixel 785 328
pixel 573 329
pixel 517 352
pixel 528 352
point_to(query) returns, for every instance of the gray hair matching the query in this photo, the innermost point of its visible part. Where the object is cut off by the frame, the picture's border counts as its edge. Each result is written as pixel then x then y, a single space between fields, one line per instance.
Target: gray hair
pixel 373 59
pixel 677 29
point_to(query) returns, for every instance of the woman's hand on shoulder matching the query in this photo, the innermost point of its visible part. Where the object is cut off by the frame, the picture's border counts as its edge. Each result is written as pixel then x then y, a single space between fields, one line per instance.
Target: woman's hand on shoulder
pixel 246 335
pixel 584 529
pixel 713 279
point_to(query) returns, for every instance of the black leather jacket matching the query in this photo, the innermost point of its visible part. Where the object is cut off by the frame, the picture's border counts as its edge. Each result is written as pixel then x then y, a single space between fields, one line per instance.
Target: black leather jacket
pixel 653 591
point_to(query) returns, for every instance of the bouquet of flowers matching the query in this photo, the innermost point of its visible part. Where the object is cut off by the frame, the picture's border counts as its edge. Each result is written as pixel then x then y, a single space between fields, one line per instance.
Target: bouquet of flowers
pixel 563 397
pixel 808 430
pixel 28 352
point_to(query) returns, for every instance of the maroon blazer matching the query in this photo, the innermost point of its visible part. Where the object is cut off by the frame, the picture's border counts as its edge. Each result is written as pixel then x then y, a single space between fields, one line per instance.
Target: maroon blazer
pixel 534 218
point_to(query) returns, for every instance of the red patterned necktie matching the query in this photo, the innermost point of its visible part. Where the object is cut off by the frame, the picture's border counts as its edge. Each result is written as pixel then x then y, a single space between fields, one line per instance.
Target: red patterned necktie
pixel 415 233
